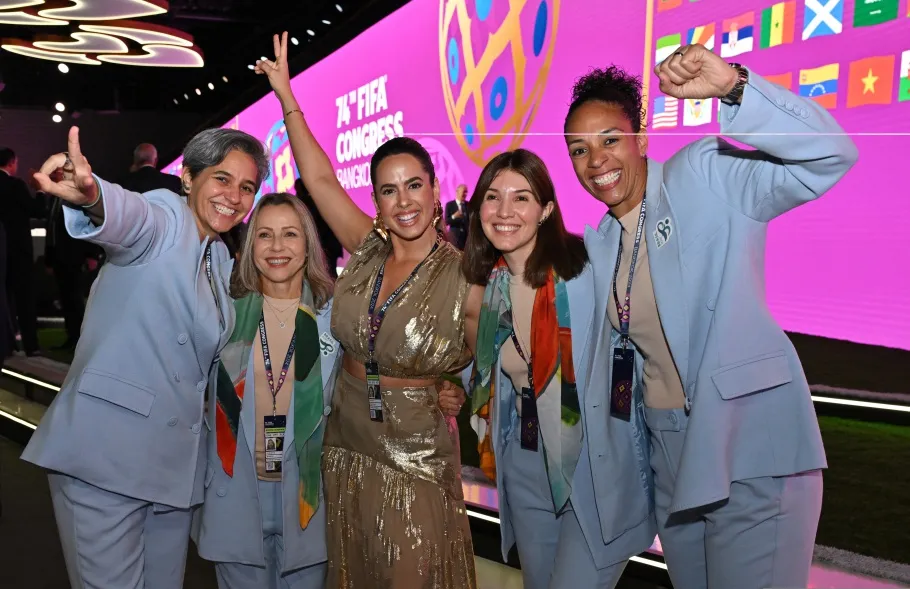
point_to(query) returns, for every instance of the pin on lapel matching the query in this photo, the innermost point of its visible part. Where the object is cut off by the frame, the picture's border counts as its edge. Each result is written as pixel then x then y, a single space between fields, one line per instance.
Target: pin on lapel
pixel 663 232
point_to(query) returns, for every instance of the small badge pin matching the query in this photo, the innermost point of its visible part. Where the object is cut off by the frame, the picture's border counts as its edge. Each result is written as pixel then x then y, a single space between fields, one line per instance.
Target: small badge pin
pixel 663 232
pixel 326 344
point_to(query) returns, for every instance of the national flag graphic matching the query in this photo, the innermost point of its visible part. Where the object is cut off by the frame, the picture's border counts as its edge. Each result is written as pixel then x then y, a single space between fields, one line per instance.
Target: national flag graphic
pixel 870 81
pixel 783 80
pixel 823 17
pixel 667 4
pixel 666 45
pixel 703 35
pixel 697 111
pixel 873 12
pixel 820 84
pixel 777 23
pixel 666 112
pixel 737 35
pixel 904 92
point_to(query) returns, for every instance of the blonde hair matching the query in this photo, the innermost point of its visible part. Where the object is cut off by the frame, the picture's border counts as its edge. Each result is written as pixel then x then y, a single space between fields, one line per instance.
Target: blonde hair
pixel 315 270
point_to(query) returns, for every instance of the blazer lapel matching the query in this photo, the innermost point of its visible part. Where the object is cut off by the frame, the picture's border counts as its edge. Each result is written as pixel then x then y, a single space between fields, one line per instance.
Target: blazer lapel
pixel 225 303
pixel 581 307
pixel 248 409
pixel 665 259
pixel 602 246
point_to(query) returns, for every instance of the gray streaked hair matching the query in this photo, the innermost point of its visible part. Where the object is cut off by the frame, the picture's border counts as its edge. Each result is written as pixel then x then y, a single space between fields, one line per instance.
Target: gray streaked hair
pixel 316 275
pixel 209 148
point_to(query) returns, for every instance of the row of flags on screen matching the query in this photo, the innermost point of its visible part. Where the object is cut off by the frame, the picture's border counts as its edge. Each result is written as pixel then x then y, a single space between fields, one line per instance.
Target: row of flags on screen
pixel 776 25
pixel 868 81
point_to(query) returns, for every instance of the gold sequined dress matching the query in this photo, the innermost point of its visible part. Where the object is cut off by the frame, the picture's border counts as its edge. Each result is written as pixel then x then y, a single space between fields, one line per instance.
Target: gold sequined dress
pixel 395 506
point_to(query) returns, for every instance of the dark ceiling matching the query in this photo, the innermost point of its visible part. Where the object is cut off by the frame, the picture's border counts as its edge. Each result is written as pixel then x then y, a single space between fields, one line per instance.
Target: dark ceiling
pixel 232 34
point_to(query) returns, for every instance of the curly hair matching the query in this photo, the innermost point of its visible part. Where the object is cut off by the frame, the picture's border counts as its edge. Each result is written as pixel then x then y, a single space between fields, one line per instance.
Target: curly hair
pixel 612 85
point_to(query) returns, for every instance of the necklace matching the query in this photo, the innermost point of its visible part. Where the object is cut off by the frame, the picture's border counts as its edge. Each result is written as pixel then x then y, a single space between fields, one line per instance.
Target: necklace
pixel 282 323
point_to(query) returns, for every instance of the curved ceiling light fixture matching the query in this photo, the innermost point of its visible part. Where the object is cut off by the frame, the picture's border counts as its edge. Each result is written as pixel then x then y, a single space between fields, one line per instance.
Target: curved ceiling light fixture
pixel 25 48
pixel 160 56
pixel 142 33
pixel 106 9
pixel 84 43
pixel 101 39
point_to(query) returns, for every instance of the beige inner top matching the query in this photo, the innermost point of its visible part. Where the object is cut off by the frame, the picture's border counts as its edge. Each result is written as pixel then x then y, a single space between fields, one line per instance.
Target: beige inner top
pixel 275 312
pixel 662 386
pixel 522 307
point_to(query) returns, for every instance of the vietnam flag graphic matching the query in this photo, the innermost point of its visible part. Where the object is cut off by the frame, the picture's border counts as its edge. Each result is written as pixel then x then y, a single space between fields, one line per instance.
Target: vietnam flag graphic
pixel 777 24
pixel 871 81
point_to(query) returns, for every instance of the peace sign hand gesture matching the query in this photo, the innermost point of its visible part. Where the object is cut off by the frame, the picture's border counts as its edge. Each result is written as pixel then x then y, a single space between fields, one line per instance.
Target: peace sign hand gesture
pixel 78 186
pixel 277 71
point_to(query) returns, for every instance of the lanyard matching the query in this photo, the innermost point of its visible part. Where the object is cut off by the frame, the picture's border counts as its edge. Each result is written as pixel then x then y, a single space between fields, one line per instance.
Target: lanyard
pixel 624 311
pixel 376 318
pixel 208 274
pixel 268 362
pixel 521 354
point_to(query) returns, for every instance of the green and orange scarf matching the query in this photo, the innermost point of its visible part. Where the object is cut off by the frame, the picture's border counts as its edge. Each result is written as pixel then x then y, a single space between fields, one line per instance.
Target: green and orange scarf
pixel 308 424
pixel 558 410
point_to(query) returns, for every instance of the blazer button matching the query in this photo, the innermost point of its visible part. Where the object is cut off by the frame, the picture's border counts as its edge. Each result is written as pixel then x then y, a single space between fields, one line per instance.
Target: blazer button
pixel 195 428
pixel 172 421
pixel 221 492
pixel 182 338
pixel 327 410
pixel 200 386
pixel 711 304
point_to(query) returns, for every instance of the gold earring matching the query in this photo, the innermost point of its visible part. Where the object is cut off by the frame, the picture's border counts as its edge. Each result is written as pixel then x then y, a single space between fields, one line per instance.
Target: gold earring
pixel 379 228
pixel 438 212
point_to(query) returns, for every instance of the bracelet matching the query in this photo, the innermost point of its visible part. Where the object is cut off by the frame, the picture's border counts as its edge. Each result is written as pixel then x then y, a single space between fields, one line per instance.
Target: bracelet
pixel 96 201
pixel 290 112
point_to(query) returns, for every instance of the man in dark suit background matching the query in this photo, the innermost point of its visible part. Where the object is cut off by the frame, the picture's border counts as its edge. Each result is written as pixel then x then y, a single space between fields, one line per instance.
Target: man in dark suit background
pixel 17 209
pixel 457 217
pixel 144 175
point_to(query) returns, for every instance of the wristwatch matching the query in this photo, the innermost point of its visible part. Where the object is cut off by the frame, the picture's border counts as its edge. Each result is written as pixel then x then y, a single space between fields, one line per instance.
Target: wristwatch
pixel 736 95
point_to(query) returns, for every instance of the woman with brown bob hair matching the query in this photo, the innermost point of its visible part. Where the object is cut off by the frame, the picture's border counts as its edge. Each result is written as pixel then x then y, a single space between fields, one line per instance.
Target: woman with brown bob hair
pixel 537 308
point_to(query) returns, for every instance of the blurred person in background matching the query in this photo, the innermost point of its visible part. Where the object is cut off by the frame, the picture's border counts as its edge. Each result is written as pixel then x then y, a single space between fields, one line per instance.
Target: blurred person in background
pixel 458 217
pixel 144 175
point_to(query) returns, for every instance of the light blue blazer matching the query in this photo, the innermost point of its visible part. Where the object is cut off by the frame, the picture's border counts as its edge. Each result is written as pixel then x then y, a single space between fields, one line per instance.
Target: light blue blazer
pixel 228 526
pixel 128 418
pixel 612 490
pixel 751 414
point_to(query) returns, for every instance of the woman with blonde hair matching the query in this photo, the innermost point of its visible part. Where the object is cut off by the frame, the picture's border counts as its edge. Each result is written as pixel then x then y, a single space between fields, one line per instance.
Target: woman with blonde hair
pixel 262 521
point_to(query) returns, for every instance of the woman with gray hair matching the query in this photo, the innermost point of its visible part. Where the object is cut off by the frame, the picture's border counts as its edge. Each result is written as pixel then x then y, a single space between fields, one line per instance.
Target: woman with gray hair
pixel 124 440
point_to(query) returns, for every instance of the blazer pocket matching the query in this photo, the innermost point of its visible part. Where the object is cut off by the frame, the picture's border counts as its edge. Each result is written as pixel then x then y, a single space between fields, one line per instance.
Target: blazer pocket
pixel 117 391
pixel 754 375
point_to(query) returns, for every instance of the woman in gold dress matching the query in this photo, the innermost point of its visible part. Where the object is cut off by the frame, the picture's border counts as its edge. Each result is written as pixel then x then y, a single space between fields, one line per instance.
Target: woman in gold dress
pixel 395 506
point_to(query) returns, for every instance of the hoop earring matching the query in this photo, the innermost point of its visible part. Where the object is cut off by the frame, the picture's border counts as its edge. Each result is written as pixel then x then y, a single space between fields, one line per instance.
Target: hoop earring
pixel 379 228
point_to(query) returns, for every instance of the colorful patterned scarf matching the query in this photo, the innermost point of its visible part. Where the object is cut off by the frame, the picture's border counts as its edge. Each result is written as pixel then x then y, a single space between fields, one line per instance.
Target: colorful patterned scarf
pixel 308 424
pixel 558 410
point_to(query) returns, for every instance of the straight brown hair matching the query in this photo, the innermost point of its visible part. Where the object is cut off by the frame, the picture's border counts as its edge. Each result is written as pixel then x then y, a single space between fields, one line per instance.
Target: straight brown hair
pixel 555 249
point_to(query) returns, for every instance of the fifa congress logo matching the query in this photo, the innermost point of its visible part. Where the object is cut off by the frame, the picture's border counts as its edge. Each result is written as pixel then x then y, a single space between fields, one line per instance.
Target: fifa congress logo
pixel 494 57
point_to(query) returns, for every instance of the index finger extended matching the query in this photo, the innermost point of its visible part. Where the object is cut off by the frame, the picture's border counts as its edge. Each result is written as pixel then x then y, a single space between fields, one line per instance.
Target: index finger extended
pixel 72 144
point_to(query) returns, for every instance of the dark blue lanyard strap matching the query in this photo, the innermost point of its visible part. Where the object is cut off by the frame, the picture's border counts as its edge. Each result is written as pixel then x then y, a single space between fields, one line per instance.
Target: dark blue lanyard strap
pixel 521 354
pixel 268 362
pixel 624 309
pixel 376 318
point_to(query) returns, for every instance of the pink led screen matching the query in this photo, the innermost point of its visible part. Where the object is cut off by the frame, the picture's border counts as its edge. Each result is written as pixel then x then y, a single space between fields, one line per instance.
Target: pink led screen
pixel 471 78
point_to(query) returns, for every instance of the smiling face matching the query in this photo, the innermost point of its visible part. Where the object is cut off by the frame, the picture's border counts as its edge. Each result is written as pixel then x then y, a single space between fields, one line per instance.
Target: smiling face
pixel 405 197
pixel 510 215
pixel 279 245
pixel 607 156
pixel 222 195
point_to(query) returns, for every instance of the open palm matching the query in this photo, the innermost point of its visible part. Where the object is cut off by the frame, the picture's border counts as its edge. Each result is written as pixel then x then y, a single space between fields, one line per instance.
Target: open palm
pixel 277 70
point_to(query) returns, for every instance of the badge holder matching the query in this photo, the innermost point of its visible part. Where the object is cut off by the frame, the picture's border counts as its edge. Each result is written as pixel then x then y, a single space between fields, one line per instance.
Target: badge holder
pixel 621 382
pixel 374 393
pixel 275 427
